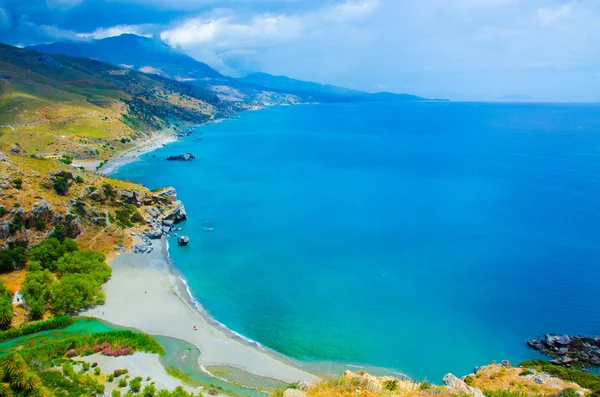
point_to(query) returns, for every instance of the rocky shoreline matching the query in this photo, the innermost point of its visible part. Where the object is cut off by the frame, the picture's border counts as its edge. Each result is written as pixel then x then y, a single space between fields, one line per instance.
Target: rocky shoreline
pixel 567 350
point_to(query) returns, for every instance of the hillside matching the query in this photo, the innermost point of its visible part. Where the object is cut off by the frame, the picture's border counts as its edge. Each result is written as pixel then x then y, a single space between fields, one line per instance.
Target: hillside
pixel 323 91
pixel 258 89
pixel 153 56
pixel 54 105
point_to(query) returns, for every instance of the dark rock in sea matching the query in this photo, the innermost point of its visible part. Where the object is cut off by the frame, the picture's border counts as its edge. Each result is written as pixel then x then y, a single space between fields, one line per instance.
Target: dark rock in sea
pixel 182 157
pixel 183 240
pixel 565 349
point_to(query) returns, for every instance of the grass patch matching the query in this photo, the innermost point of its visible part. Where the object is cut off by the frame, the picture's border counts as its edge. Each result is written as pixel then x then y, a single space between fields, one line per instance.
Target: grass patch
pixel 586 380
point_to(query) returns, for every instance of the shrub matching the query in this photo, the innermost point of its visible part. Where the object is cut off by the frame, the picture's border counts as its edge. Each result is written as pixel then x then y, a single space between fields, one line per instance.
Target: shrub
pixel 149 391
pixel 79 179
pixel 85 366
pixel 97 371
pixel 38 326
pixel 391 385
pixel 135 385
pixel 586 380
pixel 122 382
pixel 110 378
pixel 116 393
pixel 60 185
pixel 17 183
pixel 525 372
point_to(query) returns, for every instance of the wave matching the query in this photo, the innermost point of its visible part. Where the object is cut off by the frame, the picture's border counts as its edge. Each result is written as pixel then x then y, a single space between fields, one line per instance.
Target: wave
pixel 190 296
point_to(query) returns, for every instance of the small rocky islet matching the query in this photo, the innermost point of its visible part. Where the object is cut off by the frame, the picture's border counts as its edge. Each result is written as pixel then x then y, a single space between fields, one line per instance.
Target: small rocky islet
pixel 182 157
pixel 566 349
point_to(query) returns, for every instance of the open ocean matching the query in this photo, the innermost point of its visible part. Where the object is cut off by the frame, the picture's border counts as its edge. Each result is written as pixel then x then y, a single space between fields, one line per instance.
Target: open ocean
pixel 423 237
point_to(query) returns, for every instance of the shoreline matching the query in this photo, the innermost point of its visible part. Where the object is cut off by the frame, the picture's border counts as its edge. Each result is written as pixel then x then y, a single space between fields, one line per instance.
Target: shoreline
pixel 131 155
pixel 147 293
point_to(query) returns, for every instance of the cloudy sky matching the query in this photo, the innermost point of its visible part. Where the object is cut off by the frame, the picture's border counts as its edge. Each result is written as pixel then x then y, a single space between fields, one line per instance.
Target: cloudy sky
pixel 459 49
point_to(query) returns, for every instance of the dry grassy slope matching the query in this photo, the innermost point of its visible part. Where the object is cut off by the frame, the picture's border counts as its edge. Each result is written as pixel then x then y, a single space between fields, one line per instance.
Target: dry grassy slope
pixel 36 186
pixel 53 104
pixel 491 378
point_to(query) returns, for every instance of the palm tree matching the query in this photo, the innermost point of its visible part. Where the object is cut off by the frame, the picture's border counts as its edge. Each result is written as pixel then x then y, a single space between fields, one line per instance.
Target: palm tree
pixel 19 380
pixel 5 390
pixel 12 364
pixel 40 391
pixel 32 381
pixel 6 312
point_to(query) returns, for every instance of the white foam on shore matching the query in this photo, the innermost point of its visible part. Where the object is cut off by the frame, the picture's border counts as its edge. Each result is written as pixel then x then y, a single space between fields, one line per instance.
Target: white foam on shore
pixel 177 274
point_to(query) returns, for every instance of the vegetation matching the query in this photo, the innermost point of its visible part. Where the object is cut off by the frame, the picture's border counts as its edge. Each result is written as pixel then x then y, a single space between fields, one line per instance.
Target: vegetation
pixel 13 257
pixel 128 215
pixel 63 277
pixel 586 380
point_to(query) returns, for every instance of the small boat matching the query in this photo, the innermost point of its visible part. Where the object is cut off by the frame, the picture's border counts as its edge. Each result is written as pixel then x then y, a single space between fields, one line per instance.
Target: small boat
pixel 209 229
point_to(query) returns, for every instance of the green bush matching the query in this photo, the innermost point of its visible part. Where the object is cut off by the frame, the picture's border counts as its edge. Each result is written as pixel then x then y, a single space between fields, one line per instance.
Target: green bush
pixel 97 371
pixel 116 393
pixel 60 185
pixel 17 183
pixel 135 385
pixel 149 391
pixel 38 326
pixel 122 382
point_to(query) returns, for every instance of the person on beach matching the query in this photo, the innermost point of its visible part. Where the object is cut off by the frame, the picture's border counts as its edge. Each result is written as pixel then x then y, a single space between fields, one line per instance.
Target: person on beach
pixel 195 328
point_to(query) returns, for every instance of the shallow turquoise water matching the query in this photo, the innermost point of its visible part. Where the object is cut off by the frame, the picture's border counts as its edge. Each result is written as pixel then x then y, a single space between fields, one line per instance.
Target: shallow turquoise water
pixel 428 238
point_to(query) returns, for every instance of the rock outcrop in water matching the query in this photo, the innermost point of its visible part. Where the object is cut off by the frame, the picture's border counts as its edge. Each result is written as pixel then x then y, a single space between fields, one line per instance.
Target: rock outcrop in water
pixel 182 157
pixel 183 240
pixel 567 349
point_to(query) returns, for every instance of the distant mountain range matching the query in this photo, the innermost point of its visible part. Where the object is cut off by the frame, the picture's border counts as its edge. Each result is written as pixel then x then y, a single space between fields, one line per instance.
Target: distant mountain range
pixel 153 56
pixel 286 84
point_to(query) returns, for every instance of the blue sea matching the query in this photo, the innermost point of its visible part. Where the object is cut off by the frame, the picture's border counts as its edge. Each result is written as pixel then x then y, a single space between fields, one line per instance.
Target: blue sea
pixel 426 238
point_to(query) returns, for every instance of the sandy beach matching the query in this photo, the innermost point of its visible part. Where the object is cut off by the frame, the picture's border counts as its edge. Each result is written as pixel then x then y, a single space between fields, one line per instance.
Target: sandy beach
pixel 144 293
pixel 161 138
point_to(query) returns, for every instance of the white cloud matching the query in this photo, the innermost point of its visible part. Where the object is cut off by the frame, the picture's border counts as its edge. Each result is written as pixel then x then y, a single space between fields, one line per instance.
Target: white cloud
pixel 224 30
pixel 549 15
pixel 102 33
pixel 150 70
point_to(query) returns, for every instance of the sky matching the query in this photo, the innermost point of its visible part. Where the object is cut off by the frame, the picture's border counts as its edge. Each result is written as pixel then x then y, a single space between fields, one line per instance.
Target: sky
pixel 457 49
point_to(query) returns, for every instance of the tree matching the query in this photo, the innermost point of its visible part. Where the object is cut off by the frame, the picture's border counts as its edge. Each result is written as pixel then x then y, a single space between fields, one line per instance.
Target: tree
pixel 84 262
pixel 73 292
pixel 6 312
pixel 37 308
pixel 50 250
pixel 13 257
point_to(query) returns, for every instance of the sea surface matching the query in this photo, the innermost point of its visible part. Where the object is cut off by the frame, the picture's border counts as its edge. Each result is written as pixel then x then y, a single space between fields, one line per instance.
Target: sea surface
pixel 426 238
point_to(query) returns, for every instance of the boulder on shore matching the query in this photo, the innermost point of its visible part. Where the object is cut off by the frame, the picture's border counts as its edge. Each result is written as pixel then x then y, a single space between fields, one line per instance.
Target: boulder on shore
pixel 567 349
pixel 182 157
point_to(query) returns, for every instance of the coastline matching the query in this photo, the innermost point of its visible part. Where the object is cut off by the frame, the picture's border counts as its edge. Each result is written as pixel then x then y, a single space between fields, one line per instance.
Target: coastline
pixel 163 137
pixel 147 294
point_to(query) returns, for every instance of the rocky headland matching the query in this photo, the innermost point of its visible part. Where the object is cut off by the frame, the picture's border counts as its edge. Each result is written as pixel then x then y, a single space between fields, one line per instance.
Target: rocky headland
pixel 566 350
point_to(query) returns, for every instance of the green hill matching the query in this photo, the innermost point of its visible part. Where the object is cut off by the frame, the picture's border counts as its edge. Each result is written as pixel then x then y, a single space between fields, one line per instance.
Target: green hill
pixel 56 104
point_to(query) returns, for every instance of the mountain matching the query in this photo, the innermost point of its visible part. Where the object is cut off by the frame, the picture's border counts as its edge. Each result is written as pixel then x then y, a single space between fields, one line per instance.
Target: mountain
pixel 57 104
pixel 258 89
pixel 326 91
pixel 135 52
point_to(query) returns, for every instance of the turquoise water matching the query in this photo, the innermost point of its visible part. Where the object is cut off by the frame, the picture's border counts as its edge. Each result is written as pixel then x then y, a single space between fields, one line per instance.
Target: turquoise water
pixel 428 237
